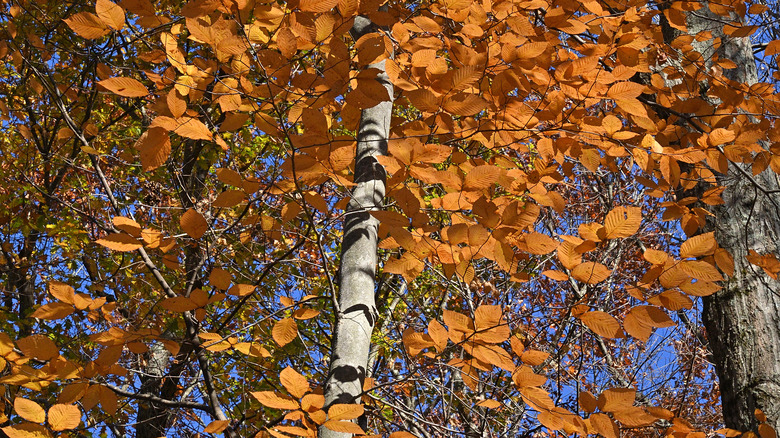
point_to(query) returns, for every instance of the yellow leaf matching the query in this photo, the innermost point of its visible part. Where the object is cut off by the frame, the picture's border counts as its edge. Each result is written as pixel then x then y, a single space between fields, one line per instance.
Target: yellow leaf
pixel 87 25
pixel 111 14
pixel 125 87
pixel 193 223
pixel 120 242
pixel 64 417
pixel 284 331
pixel 29 410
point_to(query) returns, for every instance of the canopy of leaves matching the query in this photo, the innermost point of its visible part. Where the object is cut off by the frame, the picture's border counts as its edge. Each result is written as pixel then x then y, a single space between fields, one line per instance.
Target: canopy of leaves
pixel 175 176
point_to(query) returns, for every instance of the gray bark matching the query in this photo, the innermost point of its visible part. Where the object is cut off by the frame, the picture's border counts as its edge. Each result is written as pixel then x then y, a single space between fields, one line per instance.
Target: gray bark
pixel 356 313
pixel 743 319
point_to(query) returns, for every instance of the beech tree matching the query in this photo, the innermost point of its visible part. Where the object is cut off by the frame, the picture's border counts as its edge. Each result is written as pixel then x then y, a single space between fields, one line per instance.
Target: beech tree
pixel 384 218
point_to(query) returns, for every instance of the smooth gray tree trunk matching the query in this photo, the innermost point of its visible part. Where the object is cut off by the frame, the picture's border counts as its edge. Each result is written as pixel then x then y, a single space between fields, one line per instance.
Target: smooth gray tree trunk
pixel 743 319
pixel 356 314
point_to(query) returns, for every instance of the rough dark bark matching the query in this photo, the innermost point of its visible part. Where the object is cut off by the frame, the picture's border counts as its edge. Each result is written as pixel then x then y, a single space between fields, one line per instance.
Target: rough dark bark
pixel 743 319
pixel 356 314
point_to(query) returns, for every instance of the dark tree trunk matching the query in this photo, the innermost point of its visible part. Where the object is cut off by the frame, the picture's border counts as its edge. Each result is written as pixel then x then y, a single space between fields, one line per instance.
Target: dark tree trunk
pixel 743 319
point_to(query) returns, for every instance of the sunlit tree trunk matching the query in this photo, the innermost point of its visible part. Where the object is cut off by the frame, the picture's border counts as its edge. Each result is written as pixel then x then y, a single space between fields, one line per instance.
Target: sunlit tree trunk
pixel 356 314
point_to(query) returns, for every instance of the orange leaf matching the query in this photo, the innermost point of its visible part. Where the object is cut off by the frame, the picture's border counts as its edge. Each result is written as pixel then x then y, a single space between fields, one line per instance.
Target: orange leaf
pixel 154 145
pixel 229 198
pixel 125 87
pixel 53 311
pixel 192 128
pixel 344 426
pixel 490 404
pixel 29 410
pixel 317 6
pixel 721 136
pixel 294 382
pixel 193 223
pixel 464 104
pixel 285 331
pixel 26 430
pixel 700 245
pixel 603 324
pixel 64 417
pixel 127 225
pixel 217 426
pixel 274 400
pixel 344 411
pixel 590 272
pixel 241 290
pixel 616 399
pixel 178 304
pixel 438 333
pixel 111 14
pixel 120 242
pixel 87 25
pixel 622 222
pixel 220 278
pixel 62 292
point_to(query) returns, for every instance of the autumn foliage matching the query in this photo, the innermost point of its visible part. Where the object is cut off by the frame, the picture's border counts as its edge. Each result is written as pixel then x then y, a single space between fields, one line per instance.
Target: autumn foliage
pixel 175 176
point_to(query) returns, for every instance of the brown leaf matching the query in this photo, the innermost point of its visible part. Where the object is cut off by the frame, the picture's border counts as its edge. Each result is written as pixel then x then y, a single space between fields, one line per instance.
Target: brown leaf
pixel 125 87
pixel 193 223
pixel 87 25
pixel 64 417
pixel 220 278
